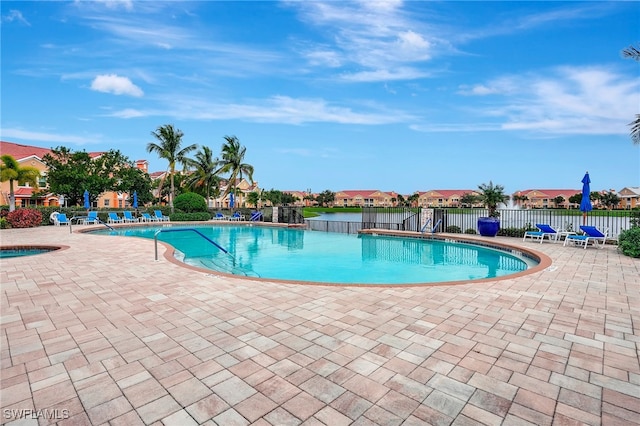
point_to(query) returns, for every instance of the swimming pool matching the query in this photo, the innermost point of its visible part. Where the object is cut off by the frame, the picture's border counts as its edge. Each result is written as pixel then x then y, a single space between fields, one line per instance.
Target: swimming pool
pixel 20 251
pixel 311 256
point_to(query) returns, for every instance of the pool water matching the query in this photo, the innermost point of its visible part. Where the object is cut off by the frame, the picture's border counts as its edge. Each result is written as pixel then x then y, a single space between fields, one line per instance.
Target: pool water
pixel 19 252
pixel 300 255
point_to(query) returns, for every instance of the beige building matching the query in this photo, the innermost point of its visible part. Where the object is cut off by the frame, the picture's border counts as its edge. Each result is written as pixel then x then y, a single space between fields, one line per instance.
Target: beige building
pixel 443 197
pixel 365 198
pixel 544 198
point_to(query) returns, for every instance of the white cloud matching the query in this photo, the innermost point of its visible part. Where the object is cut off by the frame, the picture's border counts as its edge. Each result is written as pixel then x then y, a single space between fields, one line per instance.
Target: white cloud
pixel 28 135
pixel 15 15
pixel 112 83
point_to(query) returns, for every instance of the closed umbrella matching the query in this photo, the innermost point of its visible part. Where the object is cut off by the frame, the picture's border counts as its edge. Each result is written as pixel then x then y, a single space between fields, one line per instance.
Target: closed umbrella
pixel 135 199
pixel 585 203
pixel 231 200
pixel 87 204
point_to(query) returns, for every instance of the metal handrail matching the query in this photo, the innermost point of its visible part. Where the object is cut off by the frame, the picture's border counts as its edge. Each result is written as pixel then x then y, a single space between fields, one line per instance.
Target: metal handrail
pixel 155 238
pixel 82 217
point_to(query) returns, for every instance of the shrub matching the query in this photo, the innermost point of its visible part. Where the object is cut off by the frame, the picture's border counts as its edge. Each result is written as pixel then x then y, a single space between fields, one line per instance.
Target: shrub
pixel 629 242
pixel 190 202
pixel 453 229
pixel 24 218
pixel 512 232
pixel 190 217
pixel 3 223
pixel 470 231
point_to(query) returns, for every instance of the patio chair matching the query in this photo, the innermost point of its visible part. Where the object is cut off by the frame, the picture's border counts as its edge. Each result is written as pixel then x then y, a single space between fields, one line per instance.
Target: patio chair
pixel 592 235
pixel 220 216
pixel 114 218
pixel 544 231
pixel 91 219
pixel 61 219
pixel 160 217
pixel 128 217
pixel 146 217
pixel 237 216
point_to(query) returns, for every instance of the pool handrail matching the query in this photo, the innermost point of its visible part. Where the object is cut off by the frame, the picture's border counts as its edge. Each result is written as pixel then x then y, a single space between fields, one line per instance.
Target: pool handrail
pixel 433 230
pixel 83 217
pixel 155 238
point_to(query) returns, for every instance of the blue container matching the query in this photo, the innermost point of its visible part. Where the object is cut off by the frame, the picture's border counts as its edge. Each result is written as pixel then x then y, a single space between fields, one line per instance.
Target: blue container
pixel 488 226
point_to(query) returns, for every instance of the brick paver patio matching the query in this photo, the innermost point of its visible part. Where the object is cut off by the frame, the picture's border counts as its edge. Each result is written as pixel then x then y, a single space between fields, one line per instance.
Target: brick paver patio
pixel 101 333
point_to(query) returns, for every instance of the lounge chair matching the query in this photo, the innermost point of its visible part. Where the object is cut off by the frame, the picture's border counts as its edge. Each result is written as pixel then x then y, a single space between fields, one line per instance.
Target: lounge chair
pixel 61 219
pixel 220 216
pixel 591 235
pixel 146 217
pixel 237 216
pixel 128 217
pixel 114 218
pixel 160 217
pixel 91 219
pixel 544 231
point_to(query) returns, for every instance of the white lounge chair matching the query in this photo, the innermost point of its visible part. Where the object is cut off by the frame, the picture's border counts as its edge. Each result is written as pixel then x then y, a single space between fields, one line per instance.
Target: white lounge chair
pixel 114 218
pixel 592 235
pixel 128 217
pixel 544 231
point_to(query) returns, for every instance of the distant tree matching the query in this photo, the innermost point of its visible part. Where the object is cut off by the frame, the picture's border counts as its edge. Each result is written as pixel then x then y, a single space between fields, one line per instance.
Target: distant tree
pixel 326 197
pixel 401 201
pixel 169 148
pixel 253 198
pixel 576 198
pixel 204 179
pixel 468 199
pixel 610 199
pixel 288 199
pixel 132 179
pixel 558 200
pixel 232 162
pixel 10 170
pixel 413 199
pixel 274 196
pixel 71 173
pixel 634 53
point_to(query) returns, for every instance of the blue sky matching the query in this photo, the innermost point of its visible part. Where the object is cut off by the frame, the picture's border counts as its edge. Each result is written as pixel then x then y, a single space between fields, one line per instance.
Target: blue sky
pixel 404 96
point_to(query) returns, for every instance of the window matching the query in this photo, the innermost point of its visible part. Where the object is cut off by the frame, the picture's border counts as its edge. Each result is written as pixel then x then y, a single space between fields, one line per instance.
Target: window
pixel 42 181
pixel 106 203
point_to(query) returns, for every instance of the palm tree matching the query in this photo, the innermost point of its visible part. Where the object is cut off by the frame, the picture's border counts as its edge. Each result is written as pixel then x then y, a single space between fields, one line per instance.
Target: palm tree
pixel 10 170
pixel 204 179
pixel 169 149
pixel 491 195
pixel 633 53
pixel 232 162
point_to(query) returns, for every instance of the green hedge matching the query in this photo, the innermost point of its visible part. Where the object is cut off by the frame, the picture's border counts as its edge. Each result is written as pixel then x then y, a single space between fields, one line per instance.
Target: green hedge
pixel 190 217
pixel 629 242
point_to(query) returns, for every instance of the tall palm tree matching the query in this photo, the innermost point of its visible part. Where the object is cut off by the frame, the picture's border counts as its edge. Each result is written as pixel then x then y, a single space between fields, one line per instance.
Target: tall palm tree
pixel 10 170
pixel 204 178
pixel 634 53
pixel 169 148
pixel 232 162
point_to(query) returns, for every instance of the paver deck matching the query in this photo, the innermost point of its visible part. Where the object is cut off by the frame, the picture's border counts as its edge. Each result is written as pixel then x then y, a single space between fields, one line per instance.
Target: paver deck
pixel 101 333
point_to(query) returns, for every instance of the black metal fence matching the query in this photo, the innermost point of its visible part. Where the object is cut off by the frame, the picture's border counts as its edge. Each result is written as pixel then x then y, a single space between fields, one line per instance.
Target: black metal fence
pixel 290 215
pixel 465 220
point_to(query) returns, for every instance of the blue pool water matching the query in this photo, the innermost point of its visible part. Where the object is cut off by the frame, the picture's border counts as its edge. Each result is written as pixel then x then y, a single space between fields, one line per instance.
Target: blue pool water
pixel 299 255
pixel 19 252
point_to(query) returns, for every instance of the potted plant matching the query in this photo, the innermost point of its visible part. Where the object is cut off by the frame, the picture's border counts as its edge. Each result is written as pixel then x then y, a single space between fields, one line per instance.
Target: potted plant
pixel 490 196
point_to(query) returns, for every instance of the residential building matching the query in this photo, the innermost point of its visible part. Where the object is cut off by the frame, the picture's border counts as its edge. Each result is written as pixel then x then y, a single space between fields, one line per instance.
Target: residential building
pixel 365 198
pixel 544 198
pixel 443 197
pixel 629 197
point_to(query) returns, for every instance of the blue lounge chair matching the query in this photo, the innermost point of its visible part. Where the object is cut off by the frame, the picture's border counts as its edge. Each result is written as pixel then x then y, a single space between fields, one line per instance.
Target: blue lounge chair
pixel 237 216
pixel 114 218
pixel 592 235
pixel 128 217
pixel 91 219
pixel 544 231
pixel 160 217
pixel 220 216
pixel 146 217
pixel 61 219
